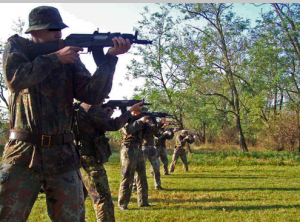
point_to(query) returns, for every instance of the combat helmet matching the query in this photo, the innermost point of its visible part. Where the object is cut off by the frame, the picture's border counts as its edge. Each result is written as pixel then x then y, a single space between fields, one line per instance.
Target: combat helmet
pixel 45 17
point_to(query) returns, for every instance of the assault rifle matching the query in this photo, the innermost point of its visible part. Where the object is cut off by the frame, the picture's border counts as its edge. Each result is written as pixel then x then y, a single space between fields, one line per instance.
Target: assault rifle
pixel 122 104
pixel 94 42
pixel 152 116
pixel 172 129
pixel 194 134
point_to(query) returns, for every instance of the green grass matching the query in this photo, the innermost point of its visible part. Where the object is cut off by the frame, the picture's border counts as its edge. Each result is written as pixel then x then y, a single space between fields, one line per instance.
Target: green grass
pixel 230 186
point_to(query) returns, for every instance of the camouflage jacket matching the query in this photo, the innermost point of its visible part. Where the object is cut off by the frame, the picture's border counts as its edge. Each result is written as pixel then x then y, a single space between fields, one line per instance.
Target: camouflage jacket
pixel 161 137
pixel 132 133
pixel 92 122
pixel 181 141
pixel 41 96
pixel 148 133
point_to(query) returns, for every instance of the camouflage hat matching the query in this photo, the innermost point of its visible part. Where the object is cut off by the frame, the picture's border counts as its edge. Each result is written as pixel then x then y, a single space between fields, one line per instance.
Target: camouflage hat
pixel 45 17
pixel 184 131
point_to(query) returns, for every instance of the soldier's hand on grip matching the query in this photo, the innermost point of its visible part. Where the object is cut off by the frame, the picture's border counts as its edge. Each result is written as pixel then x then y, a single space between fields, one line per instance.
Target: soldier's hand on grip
pixel 68 54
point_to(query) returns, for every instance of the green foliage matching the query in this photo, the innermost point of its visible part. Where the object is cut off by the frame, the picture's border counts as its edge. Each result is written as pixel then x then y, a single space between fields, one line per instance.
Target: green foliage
pixel 251 158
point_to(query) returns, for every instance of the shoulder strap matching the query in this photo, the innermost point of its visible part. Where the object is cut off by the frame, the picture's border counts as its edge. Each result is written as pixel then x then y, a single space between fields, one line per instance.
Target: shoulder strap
pixel 75 120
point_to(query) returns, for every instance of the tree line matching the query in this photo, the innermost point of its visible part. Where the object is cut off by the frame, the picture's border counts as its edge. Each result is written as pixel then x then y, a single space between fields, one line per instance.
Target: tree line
pixel 228 80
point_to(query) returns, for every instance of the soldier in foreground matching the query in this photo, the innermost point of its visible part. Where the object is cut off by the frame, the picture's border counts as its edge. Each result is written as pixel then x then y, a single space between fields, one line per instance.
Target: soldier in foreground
pixel 132 161
pixel 181 140
pixel 160 144
pixel 40 150
pixel 92 122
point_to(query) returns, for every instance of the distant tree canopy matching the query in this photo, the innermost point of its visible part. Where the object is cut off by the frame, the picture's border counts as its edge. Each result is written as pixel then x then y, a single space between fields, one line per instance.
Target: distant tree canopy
pixel 217 75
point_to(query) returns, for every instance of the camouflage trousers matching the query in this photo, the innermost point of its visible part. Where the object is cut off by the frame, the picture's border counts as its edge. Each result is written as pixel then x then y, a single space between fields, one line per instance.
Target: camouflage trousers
pixel 19 188
pixel 179 152
pixel 162 154
pixel 96 184
pixel 155 164
pixel 132 161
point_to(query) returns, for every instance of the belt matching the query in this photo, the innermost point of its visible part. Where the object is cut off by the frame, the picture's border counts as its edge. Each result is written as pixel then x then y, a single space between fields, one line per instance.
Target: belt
pixel 43 140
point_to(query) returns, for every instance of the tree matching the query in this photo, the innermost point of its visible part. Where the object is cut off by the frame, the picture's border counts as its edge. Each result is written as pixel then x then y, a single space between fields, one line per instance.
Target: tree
pixel 160 66
pixel 220 53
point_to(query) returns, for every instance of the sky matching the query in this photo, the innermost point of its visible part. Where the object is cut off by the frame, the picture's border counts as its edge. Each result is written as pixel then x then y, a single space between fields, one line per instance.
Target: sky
pixel 86 18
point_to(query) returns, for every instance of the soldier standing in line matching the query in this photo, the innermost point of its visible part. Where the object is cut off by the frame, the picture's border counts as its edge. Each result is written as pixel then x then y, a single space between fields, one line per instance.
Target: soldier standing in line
pixel 160 144
pixel 179 151
pixel 92 122
pixel 40 150
pixel 132 161
pixel 150 151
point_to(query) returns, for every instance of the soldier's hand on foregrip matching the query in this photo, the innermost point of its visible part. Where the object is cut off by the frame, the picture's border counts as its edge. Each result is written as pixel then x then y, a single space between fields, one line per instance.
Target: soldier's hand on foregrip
pixel 136 107
pixel 121 46
pixel 68 54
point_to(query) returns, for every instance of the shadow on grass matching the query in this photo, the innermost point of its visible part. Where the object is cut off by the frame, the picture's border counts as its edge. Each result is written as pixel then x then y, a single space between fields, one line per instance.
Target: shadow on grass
pixel 204 200
pixel 189 175
pixel 229 208
pixel 234 189
pixel 218 208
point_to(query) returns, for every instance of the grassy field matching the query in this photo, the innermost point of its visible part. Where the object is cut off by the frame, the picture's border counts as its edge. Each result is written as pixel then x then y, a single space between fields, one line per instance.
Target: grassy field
pixel 231 186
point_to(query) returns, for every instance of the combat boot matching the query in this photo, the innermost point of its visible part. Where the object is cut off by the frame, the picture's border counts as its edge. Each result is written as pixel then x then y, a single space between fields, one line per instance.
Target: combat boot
pixel 123 208
pixel 159 188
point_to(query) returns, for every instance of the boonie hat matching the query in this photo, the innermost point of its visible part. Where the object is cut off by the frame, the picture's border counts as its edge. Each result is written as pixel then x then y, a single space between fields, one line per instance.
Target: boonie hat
pixel 45 17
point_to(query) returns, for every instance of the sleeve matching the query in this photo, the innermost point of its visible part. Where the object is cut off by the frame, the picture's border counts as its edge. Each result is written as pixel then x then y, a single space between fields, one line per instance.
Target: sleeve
pixel 104 122
pixel 152 128
pixel 21 73
pixel 133 127
pixel 191 139
pixel 93 89
pixel 170 135
pixel 179 141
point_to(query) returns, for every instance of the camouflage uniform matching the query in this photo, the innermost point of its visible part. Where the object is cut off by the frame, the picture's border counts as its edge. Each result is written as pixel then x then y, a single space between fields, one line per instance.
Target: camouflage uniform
pixel 94 149
pixel 132 161
pixel 160 144
pixel 147 147
pixel 179 151
pixel 41 103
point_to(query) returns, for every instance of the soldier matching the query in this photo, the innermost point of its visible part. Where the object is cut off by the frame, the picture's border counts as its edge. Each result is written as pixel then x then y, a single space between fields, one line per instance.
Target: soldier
pixel 179 151
pixel 40 150
pixel 132 161
pixel 160 144
pixel 92 122
pixel 150 151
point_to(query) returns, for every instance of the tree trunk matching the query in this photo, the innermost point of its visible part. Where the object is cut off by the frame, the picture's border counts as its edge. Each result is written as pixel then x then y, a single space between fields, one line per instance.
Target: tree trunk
pixel 242 142
pixel 203 138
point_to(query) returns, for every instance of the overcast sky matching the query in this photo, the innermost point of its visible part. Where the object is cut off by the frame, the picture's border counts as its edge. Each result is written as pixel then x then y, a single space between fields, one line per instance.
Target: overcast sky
pixel 87 17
